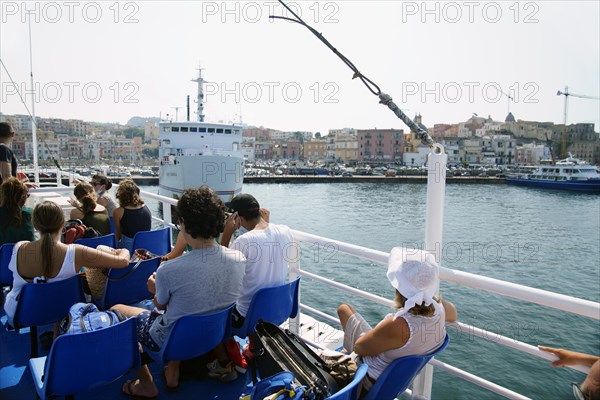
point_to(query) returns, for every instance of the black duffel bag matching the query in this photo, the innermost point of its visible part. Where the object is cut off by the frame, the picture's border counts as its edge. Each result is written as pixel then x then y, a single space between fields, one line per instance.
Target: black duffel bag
pixel 280 350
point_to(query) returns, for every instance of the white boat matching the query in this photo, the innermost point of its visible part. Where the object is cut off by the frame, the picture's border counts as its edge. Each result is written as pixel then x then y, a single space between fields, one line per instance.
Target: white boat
pixel 567 174
pixel 198 153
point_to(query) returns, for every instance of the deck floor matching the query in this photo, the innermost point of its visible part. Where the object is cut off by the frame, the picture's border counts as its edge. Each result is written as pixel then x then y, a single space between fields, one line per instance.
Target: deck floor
pixel 16 382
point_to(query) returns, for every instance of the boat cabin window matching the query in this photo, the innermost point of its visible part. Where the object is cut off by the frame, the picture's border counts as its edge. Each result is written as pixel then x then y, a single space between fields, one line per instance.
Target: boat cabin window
pixel 175 129
pixel 219 130
pixel 228 131
pixel 167 129
pixel 184 129
pixel 211 130
pixel 201 129
pixel 193 129
pixel 167 142
pixel 236 131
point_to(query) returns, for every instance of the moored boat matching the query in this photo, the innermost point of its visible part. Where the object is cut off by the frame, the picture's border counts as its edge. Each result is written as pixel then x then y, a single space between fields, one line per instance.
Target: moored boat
pixel 197 153
pixel 568 174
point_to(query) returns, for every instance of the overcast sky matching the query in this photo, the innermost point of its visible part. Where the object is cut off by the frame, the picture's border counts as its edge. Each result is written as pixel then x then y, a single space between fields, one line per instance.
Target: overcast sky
pixel 108 61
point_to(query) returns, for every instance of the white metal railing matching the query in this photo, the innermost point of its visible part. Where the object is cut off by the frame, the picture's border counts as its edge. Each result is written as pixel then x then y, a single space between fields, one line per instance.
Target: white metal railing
pixel 546 298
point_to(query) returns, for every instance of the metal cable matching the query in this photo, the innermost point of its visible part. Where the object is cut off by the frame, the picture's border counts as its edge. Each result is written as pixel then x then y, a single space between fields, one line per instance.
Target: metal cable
pixel 384 98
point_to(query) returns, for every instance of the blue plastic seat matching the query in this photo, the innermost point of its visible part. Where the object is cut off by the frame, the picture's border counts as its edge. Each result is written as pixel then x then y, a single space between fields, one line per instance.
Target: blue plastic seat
pixel 350 391
pixel 194 335
pixel 46 303
pixel 128 286
pixel 273 304
pixel 80 362
pixel 157 241
pixel 106 240
pixel 400 374
pixel 6 276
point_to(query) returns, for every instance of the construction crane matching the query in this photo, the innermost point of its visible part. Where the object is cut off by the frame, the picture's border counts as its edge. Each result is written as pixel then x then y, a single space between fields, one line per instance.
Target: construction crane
pixel 509 99
pixel 567 94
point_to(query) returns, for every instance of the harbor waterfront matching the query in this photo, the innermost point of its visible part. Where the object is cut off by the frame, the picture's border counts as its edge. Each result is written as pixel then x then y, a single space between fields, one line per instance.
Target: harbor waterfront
pixel 540 238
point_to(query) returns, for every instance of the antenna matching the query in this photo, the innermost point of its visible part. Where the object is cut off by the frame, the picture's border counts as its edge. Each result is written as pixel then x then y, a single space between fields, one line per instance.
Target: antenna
pixel 176 113
pixel 200 97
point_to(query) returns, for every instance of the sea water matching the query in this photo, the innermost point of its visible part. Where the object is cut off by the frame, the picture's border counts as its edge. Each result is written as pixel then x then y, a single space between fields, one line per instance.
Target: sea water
pixel 540 238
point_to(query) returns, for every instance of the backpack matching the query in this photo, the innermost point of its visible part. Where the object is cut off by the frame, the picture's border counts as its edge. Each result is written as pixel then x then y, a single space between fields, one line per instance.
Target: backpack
pixel 280 386
pixel 85 317
pixel 75 229
pixel 281 350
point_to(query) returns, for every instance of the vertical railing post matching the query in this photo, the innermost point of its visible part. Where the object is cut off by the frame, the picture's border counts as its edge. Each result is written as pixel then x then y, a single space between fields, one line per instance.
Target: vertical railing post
pixel 166 213
pixel 294 264
pixel 436 191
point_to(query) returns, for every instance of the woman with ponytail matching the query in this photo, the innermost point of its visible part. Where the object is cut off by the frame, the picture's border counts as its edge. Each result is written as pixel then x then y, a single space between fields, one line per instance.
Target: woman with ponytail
pixel 15 218
pixel 48 260
pixel 92 214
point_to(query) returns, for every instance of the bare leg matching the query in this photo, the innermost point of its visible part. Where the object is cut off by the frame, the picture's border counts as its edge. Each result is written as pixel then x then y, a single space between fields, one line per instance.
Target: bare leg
pixel 128 311
pixel 172 373
pixel 345 311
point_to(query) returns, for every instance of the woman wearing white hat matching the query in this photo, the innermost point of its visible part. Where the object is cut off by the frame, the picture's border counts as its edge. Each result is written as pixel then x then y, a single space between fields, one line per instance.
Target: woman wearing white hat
pixel 418 327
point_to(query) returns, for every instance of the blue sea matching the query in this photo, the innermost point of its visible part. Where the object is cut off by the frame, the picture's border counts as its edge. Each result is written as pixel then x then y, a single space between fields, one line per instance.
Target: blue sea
pixel 540 238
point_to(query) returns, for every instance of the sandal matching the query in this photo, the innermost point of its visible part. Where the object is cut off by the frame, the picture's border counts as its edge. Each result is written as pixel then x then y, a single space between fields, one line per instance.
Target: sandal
pixel 129 392
pixel 169 388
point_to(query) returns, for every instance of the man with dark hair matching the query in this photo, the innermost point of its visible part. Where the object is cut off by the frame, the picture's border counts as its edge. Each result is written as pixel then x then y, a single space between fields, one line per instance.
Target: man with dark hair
pixel 204 280
pixel 267 248
pixel 8 161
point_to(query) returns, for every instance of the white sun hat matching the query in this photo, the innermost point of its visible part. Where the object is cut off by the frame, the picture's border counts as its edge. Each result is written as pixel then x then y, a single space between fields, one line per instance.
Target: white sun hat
pixel 415 274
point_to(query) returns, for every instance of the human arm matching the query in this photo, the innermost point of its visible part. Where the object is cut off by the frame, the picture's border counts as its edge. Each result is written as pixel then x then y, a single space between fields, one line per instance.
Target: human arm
pixel 117 215
pixel 102 257
pixel 177 250
pixel 159 282
pixel 76 213
pixel 232 223
pixel 391 333
pixel 568 357
pixel 5 170
pixel 450 311
pixel 265 214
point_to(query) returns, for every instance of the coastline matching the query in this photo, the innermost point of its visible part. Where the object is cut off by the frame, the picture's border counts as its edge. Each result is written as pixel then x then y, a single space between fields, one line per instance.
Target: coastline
pixel 153 181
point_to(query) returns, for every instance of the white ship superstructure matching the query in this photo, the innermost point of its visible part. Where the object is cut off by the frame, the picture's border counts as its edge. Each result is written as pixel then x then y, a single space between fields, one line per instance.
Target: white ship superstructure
pixel 198 153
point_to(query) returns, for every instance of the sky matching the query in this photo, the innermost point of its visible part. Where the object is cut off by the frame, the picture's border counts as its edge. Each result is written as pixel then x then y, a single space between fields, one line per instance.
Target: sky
pixel 107 61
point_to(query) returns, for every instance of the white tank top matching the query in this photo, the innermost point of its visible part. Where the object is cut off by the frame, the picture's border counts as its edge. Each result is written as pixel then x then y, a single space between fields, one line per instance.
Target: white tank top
pixel 67 270
pixel 426 335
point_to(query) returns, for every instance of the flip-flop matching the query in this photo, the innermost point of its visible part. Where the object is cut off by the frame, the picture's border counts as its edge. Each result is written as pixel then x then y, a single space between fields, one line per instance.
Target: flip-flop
pixel 128 384
pixel 169 388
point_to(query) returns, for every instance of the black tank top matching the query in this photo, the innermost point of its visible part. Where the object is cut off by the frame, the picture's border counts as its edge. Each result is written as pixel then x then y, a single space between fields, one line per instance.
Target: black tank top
pixel 134 221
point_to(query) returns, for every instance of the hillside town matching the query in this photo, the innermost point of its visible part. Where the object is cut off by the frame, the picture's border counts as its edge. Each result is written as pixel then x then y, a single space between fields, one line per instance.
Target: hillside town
pixel 477 141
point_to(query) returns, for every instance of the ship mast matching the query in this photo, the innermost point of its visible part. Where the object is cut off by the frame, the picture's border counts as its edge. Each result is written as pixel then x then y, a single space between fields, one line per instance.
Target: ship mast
pixel 200 99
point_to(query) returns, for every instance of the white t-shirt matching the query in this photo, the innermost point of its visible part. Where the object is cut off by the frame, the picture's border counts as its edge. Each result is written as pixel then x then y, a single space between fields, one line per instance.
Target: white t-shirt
pixel 268 252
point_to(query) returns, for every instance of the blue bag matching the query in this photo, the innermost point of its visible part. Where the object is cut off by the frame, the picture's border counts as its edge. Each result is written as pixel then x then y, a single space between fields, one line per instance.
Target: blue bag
pixel 277 387
pixel 85 317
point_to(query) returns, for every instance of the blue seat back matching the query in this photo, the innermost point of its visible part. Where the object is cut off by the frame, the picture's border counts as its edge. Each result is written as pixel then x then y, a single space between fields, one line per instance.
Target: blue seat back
pixel 79 362
pixel 350 391
pixel 400 374
pixel 6 276
pixel 46 303
pixel 107 240
pixel 195 335
pixel 156 241
pixel 272 304
pixel 130 289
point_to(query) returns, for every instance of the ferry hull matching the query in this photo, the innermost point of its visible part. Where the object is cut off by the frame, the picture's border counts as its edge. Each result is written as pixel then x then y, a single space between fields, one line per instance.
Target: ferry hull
pixel 591 185
pixel 223 174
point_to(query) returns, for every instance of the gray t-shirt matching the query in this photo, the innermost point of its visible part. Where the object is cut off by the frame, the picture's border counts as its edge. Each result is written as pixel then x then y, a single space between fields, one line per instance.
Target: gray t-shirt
pixel 199 282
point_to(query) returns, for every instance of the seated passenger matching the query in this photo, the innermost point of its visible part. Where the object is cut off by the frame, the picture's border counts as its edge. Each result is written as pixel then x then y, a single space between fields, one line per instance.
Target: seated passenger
pixel 418 327
pixel 101 186
pixel 92 214
pixel 265 246
pixel 203 280
pixel 132 216
pixel 48 260
pixel 15 218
